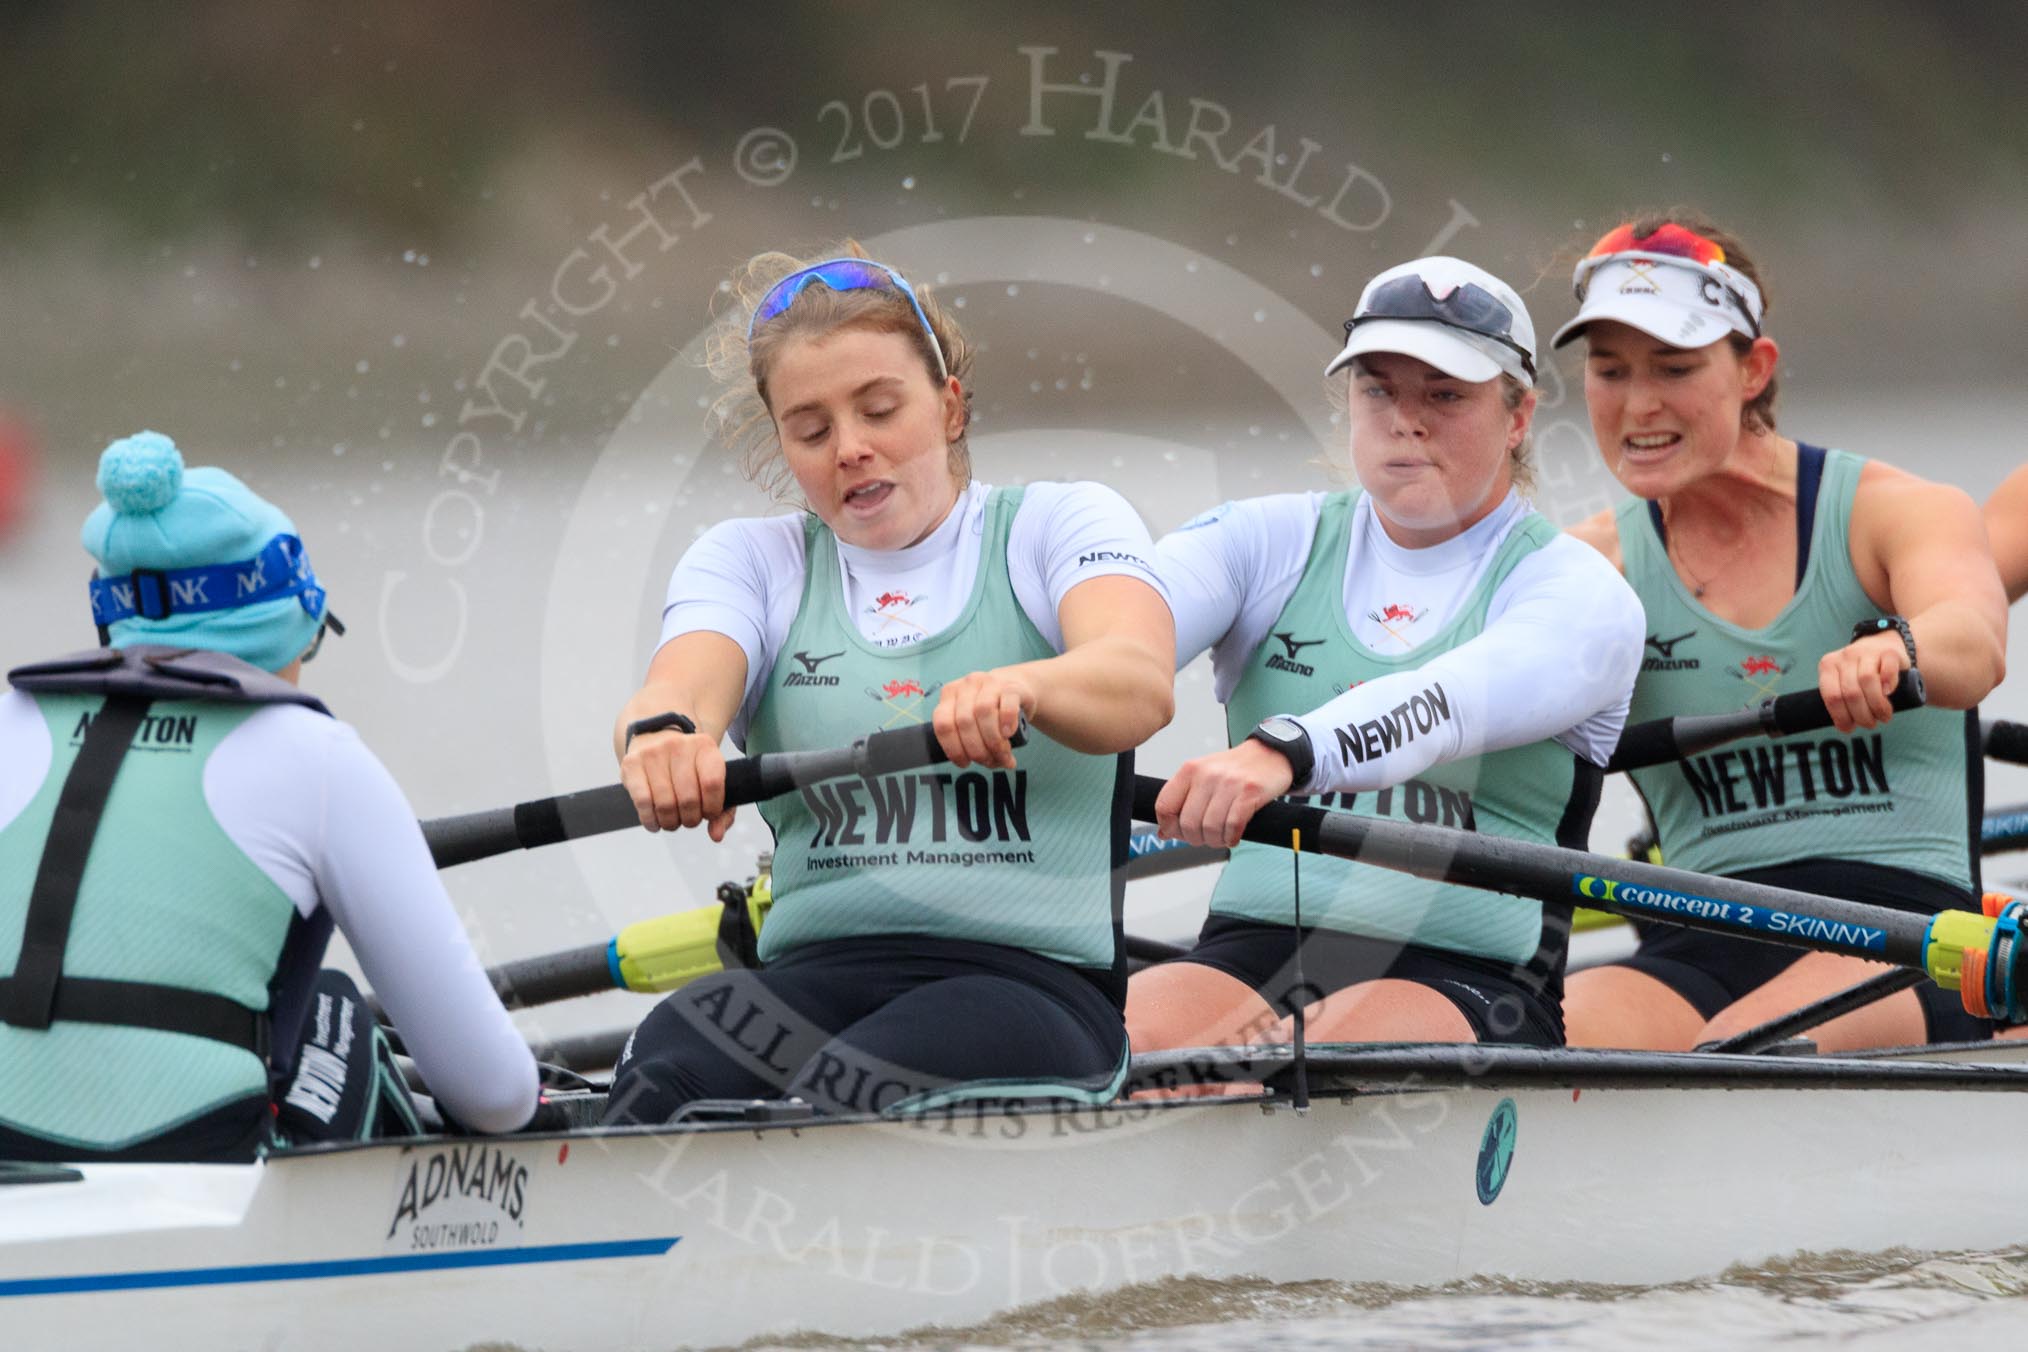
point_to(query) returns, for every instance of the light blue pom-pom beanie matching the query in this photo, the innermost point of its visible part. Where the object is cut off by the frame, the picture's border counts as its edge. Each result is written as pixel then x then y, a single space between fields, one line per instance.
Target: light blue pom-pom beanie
pixel 157 515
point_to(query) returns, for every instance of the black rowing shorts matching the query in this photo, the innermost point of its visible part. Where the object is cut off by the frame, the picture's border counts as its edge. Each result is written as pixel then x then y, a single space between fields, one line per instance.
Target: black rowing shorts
pixel 1498 999
pixel 876 1024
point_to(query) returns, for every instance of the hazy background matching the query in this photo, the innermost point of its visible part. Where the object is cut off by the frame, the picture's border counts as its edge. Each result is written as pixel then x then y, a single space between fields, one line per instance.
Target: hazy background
pixel 302 239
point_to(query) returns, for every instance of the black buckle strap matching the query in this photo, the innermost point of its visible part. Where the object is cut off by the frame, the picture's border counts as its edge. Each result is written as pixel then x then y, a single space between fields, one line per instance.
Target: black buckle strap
pixel 29 1000
pixel 738 941
pixel 168 1009
pixel 152 585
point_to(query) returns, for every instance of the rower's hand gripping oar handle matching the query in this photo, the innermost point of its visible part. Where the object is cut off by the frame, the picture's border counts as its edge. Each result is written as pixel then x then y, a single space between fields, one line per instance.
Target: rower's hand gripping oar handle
pixel 1799 711
pixel 591 812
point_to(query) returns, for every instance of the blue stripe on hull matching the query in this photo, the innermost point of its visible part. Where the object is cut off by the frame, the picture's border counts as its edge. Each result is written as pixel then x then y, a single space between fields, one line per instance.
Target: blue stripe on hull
pixel 341 1267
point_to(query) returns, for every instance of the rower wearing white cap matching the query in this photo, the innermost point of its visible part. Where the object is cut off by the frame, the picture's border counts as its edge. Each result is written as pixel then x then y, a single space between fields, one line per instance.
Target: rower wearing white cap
pixel 180 827
pixel 1768 565
pixel 1428 649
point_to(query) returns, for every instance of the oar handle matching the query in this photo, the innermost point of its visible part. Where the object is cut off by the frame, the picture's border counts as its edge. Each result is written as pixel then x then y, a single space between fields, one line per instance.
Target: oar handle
pixel 2006 741
pixel 1799 711
pixel 590 812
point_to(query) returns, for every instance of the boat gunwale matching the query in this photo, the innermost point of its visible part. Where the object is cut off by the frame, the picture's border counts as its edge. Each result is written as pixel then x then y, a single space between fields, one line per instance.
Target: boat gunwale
pixel 1345 1071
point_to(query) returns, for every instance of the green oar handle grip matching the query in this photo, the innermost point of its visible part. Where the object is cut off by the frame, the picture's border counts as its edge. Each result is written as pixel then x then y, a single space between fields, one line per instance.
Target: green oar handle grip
pixel 1799 711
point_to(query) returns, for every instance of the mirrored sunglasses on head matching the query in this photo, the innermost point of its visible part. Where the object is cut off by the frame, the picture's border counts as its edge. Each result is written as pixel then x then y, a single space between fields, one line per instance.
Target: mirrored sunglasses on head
pixel 845 274
pixel 1676 245
pixel 1469 307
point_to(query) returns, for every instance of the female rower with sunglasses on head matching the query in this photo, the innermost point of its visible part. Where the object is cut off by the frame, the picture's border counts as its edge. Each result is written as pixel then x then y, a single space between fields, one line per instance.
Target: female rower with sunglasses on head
pixel 958 924
pixel 1768 565
pixel 1427 649
pixel 2007 527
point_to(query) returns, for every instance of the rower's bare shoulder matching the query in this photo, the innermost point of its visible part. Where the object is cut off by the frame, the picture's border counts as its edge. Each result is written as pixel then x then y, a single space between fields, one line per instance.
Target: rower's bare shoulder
pixel 1891 499
pixel 1601 531
pixel 1905 525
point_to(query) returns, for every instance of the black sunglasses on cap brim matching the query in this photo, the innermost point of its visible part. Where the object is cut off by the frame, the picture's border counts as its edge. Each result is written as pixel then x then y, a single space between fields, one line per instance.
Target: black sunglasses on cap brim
pixel 1470 308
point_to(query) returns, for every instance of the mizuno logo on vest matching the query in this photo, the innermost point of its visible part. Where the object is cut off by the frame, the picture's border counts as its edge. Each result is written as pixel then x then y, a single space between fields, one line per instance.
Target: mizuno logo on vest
pixel 164 731
pixel 1399 726
pixel 809 674
pixel 903 809
pixel 1668 661
pixel 1286 660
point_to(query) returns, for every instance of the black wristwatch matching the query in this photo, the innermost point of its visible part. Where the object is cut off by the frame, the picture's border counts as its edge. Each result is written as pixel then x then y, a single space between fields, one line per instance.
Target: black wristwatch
pixel 1286 735
pixel 1868 628
pixel 658 723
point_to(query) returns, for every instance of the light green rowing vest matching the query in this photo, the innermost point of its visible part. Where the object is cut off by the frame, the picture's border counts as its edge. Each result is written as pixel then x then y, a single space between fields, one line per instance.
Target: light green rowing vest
pixel 1022 858
pixel 167 898
pixel 1539 792
pixel 1894 796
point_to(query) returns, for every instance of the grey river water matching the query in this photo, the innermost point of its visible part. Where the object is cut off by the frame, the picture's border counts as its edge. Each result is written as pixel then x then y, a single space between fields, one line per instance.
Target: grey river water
pixel 1899 1300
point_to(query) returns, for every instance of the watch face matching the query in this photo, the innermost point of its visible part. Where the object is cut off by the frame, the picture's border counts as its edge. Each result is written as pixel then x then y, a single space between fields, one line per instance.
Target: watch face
pixel 1283 729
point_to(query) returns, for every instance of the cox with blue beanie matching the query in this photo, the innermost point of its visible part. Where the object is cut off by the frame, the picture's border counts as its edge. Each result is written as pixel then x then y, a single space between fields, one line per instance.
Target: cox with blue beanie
pixel 194 558
pixel 164 916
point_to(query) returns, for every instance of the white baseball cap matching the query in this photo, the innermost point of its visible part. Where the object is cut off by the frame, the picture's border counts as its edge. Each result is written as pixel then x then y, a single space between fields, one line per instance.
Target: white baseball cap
pixel 1677 298
pixel 1459 318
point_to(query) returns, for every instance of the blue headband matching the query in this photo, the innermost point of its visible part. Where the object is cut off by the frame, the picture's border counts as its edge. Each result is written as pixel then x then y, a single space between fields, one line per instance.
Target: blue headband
pixel 282 568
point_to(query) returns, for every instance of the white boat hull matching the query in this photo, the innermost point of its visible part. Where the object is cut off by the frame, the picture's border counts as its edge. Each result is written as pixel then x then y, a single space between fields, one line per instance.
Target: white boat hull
pixel 865 1228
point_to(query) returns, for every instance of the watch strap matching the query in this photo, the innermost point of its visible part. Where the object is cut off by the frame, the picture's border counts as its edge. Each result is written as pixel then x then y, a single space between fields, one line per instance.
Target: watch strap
pixel 1868 628
pixel 662 722
pixel 1297 750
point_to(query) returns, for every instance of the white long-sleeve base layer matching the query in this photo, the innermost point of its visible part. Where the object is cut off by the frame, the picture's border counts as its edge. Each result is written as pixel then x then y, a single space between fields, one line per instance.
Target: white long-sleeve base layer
pixel 744 578
pixel 320 815
pixel 1557 657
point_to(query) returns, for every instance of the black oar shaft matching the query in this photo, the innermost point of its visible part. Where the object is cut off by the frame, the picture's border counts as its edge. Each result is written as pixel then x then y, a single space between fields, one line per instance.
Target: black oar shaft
pixel 2006 741
pixel 1145 951
pixel 1762 1036
pixel 590 812
pixel 584 1051
pixel 542 980
pixel 1668 739
pixel 1573 878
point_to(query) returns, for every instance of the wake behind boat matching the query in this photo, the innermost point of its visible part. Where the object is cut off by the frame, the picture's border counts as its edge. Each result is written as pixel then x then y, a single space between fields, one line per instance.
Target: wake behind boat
pixel 1416 1165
